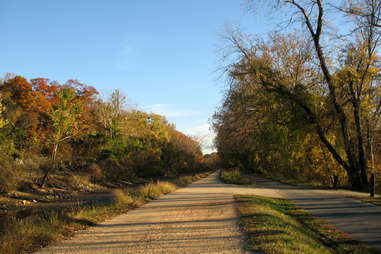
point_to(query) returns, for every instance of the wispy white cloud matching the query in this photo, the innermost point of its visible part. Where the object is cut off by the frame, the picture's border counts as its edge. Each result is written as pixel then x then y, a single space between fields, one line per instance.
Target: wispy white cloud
pixel 201 132
pixel 169 111
pixel 204 134
pixel 198 130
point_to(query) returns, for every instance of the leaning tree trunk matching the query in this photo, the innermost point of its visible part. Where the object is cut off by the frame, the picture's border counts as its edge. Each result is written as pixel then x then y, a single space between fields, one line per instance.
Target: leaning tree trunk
pixel 47 172
pixel 362 158
pixel 355 167
pixel 355 179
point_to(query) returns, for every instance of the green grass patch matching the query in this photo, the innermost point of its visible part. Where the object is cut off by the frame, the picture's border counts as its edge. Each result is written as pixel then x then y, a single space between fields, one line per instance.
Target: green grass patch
pixel 278 226
pixel 24 232
pixel 235 176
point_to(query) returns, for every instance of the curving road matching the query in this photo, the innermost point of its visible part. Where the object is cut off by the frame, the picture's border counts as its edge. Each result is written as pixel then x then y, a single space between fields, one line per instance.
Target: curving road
pixel 201 218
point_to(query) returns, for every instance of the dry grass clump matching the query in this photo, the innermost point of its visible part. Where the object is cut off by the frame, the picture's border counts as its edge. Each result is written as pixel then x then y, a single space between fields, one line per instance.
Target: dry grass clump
pixel 155 190
pixel 166 187
pixel 183 181
pixel 32 232
pixel 122 198
pixel 234 176
pixel 150 191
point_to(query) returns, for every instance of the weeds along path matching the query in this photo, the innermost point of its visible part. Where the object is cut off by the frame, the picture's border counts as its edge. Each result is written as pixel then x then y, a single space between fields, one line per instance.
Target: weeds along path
pixel 200 218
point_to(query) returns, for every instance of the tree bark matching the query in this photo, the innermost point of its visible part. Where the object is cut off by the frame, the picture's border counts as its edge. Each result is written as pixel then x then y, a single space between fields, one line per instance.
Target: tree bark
pixel 48 170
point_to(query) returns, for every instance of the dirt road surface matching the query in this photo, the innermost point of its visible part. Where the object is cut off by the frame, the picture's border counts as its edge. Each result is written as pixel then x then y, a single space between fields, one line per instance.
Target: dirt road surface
pixel 201 218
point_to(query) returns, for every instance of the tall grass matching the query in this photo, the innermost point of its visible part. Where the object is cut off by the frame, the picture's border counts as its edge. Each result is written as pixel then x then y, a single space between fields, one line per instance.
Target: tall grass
pixel 155 190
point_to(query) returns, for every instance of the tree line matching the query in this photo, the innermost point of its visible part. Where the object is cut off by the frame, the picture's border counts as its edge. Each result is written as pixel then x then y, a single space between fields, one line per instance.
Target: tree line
pixel 306 104
pixel 48 127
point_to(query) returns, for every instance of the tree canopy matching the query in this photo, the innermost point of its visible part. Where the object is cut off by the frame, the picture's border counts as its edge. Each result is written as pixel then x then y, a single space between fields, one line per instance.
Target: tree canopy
pixel 307 106
pixel 57 127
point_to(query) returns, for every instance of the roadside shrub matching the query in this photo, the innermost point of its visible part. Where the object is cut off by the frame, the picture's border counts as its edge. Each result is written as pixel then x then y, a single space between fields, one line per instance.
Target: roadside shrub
pixel 24 235
pixel 114 169
pixel 155 190
pixel 122 198
pixel 78 181
pixel 150 191
pixel 234 176
pixel 185 180
pixel 95 172
pixel 8 175
pixel 166 187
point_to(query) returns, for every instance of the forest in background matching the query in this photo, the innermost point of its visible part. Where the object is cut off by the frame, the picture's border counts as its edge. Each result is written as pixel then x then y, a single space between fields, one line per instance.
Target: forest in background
pixel 47 128
pixel 305 104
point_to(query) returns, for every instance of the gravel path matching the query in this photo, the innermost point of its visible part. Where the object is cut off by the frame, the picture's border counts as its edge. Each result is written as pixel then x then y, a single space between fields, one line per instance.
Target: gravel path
pixel 200 218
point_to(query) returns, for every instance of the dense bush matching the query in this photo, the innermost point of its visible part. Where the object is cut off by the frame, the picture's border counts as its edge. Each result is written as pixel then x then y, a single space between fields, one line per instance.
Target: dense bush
pixel 235 176
pixel 67 128
pixel 8 176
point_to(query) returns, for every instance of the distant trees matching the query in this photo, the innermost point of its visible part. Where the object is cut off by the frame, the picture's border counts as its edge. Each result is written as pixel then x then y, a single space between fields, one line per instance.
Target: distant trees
pixel 67 128
pixel 303 92
pixel 111 114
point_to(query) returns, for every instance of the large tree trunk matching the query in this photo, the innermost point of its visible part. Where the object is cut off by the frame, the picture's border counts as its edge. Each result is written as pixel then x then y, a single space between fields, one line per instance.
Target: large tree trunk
pixel 355 179
pixel 361 155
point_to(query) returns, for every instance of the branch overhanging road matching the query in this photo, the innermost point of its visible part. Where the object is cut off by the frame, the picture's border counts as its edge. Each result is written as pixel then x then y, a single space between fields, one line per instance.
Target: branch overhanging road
pixel 201 218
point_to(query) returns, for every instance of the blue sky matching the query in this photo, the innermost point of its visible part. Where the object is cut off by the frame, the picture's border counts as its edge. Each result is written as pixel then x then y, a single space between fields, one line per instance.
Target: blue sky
pixel 162 54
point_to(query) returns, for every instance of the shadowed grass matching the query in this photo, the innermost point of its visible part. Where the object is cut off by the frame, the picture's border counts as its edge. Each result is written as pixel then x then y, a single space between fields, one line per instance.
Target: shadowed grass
pixel 277 226
pixel 235 176
pixel 155 190
pixel 24 234
pixel 183 181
